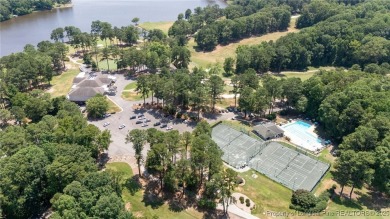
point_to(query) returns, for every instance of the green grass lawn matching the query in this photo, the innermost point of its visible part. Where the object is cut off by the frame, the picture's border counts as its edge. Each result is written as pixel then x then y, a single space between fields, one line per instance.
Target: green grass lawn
pixel 131 86
pixel 103 65
pixel 162 25
pixel 61 84
pixel 130 94
pixel 267 194
pixel 133 196
pixel 112 107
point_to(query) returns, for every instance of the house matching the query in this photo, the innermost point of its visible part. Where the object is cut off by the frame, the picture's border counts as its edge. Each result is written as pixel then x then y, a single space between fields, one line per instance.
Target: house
pixel 87 85
pixel 268 131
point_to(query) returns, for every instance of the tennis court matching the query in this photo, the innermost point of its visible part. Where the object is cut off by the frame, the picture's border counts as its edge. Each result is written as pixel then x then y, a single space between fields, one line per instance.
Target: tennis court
pixel 282 164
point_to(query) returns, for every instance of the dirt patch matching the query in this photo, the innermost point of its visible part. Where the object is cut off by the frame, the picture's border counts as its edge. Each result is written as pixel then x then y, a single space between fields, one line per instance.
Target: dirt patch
pixel 128 206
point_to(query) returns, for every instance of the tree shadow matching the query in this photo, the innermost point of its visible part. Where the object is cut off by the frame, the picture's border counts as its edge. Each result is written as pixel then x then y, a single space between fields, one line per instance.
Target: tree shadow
pixel 374 200
pixel 152 196
pixel 210 115
pixel 133 185
pixel 346 202
pixel 215 214
pixel 102 160
pixel 177 204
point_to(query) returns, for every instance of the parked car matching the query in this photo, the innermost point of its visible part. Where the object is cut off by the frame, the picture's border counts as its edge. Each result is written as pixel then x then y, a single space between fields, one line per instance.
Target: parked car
pixel 147 120
pixel 169 128
pixel 163 125
pixel 144 124
pixel 157 124
pixel 140 115
pixel 122 126
pixel 138 122
pixel 106 115
pixel 133 117
pixel 106 124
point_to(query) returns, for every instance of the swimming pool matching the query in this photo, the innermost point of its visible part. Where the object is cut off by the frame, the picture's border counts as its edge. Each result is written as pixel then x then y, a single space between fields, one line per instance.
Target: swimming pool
pixel 301 134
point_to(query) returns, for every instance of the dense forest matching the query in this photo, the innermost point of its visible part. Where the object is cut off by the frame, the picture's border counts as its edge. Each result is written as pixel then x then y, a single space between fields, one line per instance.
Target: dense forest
pixel 48 157
pixel 353 109
pixel 9 8
pixel 341 35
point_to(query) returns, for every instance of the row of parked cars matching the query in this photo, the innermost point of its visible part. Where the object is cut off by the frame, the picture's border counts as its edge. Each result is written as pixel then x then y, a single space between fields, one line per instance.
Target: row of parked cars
pixel 144 121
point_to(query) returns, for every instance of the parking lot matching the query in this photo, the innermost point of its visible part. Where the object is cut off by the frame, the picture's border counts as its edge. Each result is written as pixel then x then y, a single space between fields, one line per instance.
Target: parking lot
pixel 118 146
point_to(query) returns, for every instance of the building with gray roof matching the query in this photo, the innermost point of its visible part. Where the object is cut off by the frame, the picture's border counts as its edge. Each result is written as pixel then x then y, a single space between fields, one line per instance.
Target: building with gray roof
pixel 268 131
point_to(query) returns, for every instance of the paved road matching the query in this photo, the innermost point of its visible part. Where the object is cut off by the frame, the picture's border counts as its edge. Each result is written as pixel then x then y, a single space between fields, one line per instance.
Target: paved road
pixel 118 147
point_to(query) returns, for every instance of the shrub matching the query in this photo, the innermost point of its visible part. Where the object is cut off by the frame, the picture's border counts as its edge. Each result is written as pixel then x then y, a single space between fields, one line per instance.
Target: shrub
pixel 241 200
pixel 303 199
pixel 247 202
pixel 206 204
pixel 324 196
pixel 320 206
pixel 87 59
pixel 271 116
pixel 239 180
pixel 178 115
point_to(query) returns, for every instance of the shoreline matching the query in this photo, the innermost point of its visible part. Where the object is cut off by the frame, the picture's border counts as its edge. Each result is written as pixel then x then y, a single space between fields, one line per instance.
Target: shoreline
pixel 57 6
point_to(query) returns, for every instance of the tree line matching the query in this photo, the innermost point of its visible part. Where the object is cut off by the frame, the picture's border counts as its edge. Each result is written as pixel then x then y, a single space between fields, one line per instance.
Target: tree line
pixel 241 19
pixel 356 34
pixel 227 30
pixel 8 8
pixel 198 89
pixel 158 50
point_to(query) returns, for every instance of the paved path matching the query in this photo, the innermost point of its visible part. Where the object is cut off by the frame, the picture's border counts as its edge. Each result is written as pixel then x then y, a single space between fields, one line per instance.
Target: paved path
pixel 233 209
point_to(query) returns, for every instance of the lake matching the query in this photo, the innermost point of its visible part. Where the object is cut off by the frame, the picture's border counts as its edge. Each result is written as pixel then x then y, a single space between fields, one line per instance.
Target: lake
pixel 36 27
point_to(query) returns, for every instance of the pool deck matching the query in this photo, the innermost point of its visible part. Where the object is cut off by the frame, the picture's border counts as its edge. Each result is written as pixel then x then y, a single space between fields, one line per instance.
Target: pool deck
pixel 301 141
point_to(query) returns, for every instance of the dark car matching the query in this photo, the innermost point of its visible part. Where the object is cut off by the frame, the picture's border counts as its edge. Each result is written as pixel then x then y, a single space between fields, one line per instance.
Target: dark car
pixel 163 125
pixel 157 124
pixel 140 115
pixel 138 122
pixel 133 117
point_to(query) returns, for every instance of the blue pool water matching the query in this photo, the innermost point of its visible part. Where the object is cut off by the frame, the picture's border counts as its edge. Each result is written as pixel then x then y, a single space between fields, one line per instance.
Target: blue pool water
pixel 299 133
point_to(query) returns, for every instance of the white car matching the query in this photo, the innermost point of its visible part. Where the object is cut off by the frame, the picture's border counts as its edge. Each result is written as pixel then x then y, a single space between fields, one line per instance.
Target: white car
pixel 169 128
pixel 144 125
pixel 122 126
pixel 106 124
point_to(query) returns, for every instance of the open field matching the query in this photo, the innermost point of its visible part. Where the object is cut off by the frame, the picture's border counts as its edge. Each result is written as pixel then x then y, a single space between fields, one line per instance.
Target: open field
pixel 302 75
pixel 61 84
pixel 162 25
pixel 133 198
pixel 204 59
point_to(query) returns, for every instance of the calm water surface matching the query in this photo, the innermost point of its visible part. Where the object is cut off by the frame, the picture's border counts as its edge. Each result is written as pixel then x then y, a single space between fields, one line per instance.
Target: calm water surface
pixel 33 28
